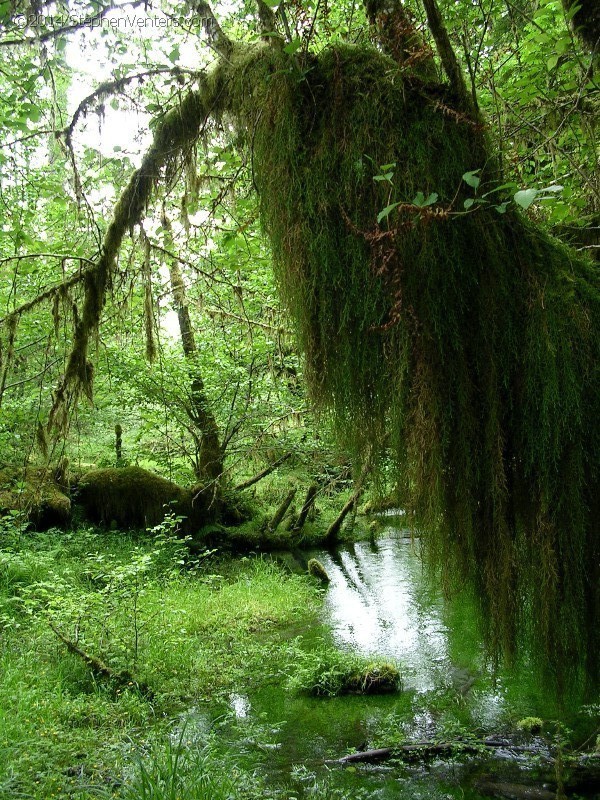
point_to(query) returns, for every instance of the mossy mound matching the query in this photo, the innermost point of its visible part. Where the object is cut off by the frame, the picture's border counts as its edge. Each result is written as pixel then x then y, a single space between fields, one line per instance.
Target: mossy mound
pixel 329 673
pixel 461 342
pixel 34 494
pixel 136 498
pixel 317 570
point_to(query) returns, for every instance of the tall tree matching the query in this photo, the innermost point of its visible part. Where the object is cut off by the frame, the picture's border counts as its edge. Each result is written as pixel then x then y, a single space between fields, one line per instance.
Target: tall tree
pixel 210 453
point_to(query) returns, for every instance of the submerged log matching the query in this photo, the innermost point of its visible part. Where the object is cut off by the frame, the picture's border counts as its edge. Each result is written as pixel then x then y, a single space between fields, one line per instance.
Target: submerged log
pixel 580 775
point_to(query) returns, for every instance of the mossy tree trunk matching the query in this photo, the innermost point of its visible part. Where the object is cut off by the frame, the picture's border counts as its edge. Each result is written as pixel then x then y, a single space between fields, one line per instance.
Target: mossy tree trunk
pixel 209 453
pixel 586 21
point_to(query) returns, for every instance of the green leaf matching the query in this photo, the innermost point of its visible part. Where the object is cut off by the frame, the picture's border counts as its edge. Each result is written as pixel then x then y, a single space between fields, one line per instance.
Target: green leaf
pixel 174 54
pixel 552 61
pixel 525 197
pixel 386 211
pixel 293 46
pixel 501 208
pixel 555 188
pixel 386 167
pixel 421 201
pixel 468 203
pixel 34 113
pixel 387 177
pixel 512 185
pixel 472 179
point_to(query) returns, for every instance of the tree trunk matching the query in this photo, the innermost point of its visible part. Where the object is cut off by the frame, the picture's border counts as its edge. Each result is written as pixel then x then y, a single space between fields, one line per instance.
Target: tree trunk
pixel 210 455
pixel 334 529
pixel 280 513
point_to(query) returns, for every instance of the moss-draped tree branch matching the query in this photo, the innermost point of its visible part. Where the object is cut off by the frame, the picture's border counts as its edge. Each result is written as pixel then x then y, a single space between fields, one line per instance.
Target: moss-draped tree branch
pixel 179 129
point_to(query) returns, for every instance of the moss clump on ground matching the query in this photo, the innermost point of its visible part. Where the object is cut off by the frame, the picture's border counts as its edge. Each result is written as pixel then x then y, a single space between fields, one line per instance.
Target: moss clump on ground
pixel 35 495
pixel 463 344
pixel 317 570
pixel 330 672
pixel 531 725
pixel 136 498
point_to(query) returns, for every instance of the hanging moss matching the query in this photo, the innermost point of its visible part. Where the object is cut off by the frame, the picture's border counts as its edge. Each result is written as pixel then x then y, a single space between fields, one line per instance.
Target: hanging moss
pixel 463 346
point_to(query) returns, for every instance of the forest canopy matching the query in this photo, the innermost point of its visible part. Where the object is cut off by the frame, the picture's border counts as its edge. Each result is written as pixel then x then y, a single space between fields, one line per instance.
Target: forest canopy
pixel 403 168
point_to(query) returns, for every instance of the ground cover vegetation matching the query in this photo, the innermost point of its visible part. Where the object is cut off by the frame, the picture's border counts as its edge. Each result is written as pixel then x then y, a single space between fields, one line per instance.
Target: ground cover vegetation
pixel 257 265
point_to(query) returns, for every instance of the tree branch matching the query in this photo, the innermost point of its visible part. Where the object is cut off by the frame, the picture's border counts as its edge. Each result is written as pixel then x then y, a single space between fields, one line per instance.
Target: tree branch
pixel 177 130
pixel 218 40
pixel 122 678
pixel 86 22
pixel 263 474
pixel 447 55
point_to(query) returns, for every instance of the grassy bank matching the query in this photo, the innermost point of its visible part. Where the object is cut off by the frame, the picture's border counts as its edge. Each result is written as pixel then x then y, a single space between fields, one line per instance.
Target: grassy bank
pixel 190 633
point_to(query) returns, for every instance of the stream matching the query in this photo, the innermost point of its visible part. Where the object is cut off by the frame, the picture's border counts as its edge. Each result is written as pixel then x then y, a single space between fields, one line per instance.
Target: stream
pixel 380 602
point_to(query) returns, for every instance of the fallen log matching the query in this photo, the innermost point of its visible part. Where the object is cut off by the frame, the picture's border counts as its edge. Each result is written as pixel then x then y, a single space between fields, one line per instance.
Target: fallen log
pixel 428 750
pixel 121 678
pixel 308 504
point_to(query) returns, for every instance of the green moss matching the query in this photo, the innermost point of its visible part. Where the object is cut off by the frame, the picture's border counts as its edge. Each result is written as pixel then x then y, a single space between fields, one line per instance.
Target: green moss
pixel 35 494
pixel 465 345
pixel 135 498
pixel 530 725
pixel 328 673
pixel 317 570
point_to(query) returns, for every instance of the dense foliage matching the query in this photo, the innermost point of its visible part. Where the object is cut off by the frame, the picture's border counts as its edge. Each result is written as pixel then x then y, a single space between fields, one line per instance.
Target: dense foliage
pixel 454 342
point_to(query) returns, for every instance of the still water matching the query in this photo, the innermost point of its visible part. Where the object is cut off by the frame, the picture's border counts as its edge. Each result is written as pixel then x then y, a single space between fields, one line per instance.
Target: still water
pixel 381 602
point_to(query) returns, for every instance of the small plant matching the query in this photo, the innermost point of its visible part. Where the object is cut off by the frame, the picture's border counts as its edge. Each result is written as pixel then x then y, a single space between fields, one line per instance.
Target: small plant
pixel 178 772
pixel 330 672
pixel 531 725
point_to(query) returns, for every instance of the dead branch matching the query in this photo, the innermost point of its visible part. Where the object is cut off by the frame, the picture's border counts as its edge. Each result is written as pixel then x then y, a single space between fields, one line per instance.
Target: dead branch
pixel 271 468
pixel 122 678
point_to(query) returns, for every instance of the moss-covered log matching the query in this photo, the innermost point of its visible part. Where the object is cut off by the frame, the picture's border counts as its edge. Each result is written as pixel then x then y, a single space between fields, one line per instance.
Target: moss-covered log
pixel 37 495
pixel 135 498
pixel 461 338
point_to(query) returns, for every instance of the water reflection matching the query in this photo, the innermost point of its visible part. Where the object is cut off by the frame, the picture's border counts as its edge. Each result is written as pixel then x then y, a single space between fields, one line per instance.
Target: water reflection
pixel 376 604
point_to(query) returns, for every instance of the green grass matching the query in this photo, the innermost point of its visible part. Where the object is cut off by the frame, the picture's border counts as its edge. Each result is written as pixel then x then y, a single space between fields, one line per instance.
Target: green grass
pixel 191 634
